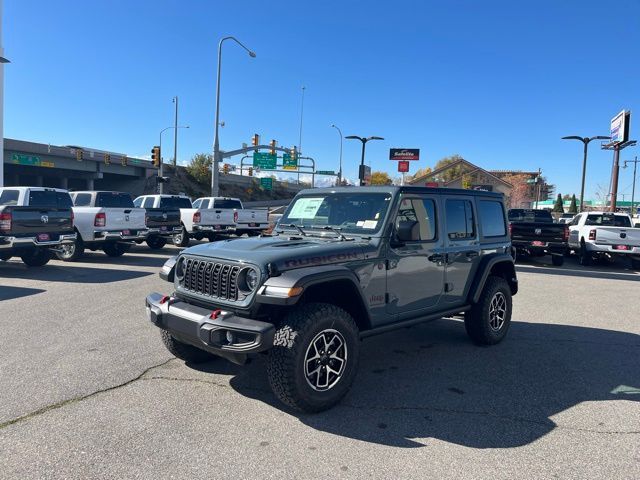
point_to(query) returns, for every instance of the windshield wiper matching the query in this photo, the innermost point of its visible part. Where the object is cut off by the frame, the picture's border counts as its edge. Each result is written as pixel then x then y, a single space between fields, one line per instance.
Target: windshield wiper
pixel 337 231
pixel 297 227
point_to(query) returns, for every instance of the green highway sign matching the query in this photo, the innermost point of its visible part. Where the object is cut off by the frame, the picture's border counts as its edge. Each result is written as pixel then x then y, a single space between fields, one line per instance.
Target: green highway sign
pixel 266 183
pixel 325 172
pixel 264 160
pixel 31 160
pixel 289 163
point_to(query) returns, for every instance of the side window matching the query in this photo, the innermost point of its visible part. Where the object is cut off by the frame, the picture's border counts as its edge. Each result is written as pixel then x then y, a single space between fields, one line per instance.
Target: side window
pixel 82 200
pixel 205 203
pixel 422 211
pixel 148 202
pixel 138 202
pixel 460 221
pixel 9 197
pixel 575 220
pixel 491 216
pixel 197 203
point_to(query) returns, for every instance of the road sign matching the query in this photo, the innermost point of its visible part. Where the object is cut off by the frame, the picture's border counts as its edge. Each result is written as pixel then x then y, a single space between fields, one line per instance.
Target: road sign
pixel 404 154
pixel 289 163
pixel 266 183
pixel 264 160
pixel 30 160
pixel 325 172
pixel 403 166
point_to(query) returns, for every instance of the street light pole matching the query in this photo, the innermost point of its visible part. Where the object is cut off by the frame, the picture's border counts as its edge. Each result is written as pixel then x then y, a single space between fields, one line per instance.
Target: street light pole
pixel 633 188
pixel 585 141
pixel 340 162
pixel 216 142
pixel 364 141
pixel 160 169
pixel 175 134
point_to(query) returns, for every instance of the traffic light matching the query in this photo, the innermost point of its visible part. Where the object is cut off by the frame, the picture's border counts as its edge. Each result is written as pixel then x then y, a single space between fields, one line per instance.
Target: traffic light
pixel 225 169
pixel 123 160
pixel 79 154
pixel 255 141
pixel 273 147
pixel 294 153
pixel 107 159
pixel 155 156
pixel 251 171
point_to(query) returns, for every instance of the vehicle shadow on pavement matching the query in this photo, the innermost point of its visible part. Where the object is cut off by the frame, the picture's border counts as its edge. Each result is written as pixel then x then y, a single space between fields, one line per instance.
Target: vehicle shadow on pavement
pixel 430 382
pixel 9 293
pixel 63 272
pixel 585 272
pixel 130 259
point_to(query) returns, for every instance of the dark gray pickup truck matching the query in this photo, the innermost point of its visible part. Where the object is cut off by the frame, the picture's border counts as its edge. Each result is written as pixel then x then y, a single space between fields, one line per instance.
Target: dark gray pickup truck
pixel 34 222
pixel 534 234
pixel 342 265
pixel 162 218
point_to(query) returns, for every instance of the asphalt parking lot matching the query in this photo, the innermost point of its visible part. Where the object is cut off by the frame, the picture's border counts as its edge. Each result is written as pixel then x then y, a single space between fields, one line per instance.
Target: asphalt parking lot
pixel 88 391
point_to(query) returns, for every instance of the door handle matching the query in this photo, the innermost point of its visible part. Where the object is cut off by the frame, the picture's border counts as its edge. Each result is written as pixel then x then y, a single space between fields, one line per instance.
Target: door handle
pixel 436 258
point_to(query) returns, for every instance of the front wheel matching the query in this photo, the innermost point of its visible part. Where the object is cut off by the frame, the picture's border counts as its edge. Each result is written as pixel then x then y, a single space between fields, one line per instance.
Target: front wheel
pixel 156 243
pixel 114 249
pixel 314 359
pixel 585 256
pixel 37 258
pixel 488 321
pixel 181 239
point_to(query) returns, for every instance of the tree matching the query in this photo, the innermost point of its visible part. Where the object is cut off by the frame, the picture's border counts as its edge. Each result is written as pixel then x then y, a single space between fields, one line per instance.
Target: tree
pixel 199 167
pixel 452 173
pixel 380 178
pixel 419 173
pixel 520 191
pixel 558 207
pixel 573 208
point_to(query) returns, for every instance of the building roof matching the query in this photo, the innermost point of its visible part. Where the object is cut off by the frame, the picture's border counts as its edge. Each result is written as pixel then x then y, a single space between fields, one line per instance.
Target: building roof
pixel 462 161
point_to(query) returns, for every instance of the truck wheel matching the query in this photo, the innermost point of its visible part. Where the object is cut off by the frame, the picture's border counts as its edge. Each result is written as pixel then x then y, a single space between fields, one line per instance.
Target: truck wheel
pixel 114 249
pixel 488 320
pixel 314 359
pixel 557 260
pixel 635 263
pixel 181 239
pixel 183 351
pixel 37 258
pixel 71 252
pixel 5 257
pixel 584 256
pixel 156 243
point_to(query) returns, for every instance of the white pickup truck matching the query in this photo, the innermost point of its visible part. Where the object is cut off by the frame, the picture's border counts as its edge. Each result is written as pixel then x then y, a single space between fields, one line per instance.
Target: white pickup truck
pixel 602 234
pixel 251 222
pixel 105 221
pixel 196 222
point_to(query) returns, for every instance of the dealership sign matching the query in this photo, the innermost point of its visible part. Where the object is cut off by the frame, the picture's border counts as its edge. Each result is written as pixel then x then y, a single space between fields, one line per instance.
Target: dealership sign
pixel 403 166
pixel 620 127
pixel 404 154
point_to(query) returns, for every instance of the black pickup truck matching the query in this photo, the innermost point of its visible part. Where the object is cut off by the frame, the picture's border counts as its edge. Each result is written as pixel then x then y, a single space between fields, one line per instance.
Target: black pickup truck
pixel 34 222
pixel 534 234
pixel 162 218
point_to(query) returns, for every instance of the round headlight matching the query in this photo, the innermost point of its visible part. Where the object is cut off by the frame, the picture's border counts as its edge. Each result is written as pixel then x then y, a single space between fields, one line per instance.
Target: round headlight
pixel 252 279
pixel 179 272
pixel 248 280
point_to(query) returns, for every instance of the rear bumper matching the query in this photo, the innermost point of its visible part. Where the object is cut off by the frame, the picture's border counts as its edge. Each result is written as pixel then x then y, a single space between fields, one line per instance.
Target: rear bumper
pixel 226 335
pixel 549 247
pixel 119 235
pixel 252 226
pixel 8 243
pixel 214 228
pixel 606 248
pixel 169 231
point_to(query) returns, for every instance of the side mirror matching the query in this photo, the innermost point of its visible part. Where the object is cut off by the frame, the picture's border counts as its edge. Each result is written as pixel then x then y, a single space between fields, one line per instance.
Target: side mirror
pixel 407 231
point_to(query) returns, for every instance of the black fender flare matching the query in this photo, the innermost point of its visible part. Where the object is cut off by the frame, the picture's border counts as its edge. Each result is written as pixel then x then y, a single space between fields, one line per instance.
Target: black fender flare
pixel 485 267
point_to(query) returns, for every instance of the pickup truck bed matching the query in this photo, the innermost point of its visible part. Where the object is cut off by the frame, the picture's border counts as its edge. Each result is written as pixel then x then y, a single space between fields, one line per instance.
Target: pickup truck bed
pixel 162 223
pixel 535 235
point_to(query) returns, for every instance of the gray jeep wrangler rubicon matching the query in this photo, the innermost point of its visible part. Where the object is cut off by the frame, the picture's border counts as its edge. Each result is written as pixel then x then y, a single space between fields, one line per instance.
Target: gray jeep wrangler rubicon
pixel 342 264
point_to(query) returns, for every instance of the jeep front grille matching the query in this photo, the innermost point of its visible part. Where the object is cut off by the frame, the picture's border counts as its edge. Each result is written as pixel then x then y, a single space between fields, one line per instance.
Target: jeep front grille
pixel 211 278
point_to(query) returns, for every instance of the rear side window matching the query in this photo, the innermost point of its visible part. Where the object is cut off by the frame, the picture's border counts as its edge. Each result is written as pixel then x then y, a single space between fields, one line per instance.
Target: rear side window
pixel 422 211
pixel 138 202
pixel 227 203
pixel 491 216
pixel 204 204
pixel 113 200
pixel 49 199
pixel 9 197
pixel 460 221
pixel 148 202
pixel 82 200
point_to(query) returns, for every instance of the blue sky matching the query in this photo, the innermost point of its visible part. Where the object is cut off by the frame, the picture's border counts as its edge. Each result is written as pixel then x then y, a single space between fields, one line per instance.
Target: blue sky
pixel 496 82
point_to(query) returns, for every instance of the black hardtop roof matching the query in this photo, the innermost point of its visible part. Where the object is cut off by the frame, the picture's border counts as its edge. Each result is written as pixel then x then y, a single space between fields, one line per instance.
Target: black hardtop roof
pixel 394 189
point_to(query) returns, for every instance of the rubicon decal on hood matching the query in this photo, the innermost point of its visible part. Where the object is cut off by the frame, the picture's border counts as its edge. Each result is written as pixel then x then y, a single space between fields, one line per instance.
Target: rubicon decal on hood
pixel 322 259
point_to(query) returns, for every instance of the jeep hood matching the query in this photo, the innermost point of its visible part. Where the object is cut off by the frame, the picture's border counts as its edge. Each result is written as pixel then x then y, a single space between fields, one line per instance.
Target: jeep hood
pixel 286 252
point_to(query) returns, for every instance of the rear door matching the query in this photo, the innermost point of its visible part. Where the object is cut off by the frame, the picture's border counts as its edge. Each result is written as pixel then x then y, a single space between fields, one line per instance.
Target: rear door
pixel 415 272
pixel 462 246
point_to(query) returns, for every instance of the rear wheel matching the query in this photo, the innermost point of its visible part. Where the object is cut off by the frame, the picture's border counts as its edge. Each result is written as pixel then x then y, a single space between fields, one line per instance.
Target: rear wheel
pixel 114 249
pixel 635 263
pixel 181 239
pixel 183 351
pixel 37 258
pixel 488 321
pixel 156 243
pixel 71 252
pixel 584 255
pixel 557 260
pixel 5 257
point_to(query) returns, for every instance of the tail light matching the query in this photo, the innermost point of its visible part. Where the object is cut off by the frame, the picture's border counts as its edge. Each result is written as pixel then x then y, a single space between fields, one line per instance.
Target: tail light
pixel 592 234
pixel 510 229
pixel 5 221
pixel 235 217
pixel 196 217
pixel 565 233
pixel 100 220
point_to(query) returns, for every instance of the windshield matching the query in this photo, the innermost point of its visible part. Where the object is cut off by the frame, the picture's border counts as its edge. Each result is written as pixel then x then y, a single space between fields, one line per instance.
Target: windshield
pixel 522 215
pixel 608 220
pixel 361 213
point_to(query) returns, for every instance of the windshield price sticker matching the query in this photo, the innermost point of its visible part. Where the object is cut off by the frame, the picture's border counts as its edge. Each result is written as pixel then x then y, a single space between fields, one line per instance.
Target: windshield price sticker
pixel 306 207
pixel 370 224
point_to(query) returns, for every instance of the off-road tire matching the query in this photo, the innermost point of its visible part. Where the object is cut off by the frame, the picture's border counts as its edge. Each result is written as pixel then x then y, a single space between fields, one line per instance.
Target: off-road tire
pixel 181 239
pixel 114 249
pixel 477 321
pixel 72 252
pixel 584 257
pixel 37 258
pixel 185 352
pixel 156 243
pixel 557 260
pixel 285 365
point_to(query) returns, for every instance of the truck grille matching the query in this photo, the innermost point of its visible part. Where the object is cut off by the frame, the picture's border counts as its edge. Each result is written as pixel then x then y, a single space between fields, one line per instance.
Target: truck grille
pixel 211 278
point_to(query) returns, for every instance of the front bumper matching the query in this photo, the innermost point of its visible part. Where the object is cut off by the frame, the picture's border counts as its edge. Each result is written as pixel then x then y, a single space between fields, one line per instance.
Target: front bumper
pixel 217 331
pixel 214 228
pixel 121 235
pixel 8 243
pixel 167 232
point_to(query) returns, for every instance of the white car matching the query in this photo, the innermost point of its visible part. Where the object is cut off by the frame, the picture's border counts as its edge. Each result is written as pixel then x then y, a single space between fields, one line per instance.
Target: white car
pixel 196 222
pixel 251 222
pixel 104 220
pixel 596 234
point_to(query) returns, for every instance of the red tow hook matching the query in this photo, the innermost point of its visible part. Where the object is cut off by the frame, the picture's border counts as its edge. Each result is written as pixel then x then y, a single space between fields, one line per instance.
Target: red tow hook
pixel 215 314
pixel 165 299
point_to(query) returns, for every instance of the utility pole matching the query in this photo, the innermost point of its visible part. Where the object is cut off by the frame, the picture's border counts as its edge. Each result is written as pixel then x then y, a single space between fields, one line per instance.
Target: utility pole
pixel 300 137
pixel 539 185
pixel 2 62
pixel 175 134
pixel 633 188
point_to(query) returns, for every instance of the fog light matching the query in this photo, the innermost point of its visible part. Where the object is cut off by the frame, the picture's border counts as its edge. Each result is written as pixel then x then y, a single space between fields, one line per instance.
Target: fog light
pixel 230 337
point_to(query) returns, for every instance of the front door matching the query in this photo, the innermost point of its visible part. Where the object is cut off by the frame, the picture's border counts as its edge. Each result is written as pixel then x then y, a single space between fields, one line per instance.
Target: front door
pixel 463 247
pixel 415 269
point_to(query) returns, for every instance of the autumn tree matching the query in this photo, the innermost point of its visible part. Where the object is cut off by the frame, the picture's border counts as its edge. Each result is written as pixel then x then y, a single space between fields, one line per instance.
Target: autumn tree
pixel 452 173
pixel 419 173
pixel 520 191
pixel 381 178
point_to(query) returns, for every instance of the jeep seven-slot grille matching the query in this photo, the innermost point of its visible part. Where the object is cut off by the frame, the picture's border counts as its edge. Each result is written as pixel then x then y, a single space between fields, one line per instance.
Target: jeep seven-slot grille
pixel 211 278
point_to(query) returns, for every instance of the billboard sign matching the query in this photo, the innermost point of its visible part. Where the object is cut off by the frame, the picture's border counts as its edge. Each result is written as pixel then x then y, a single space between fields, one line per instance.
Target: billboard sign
pixel 620 127
pixel 403 166
pixel 483 188
pixel 404 154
